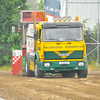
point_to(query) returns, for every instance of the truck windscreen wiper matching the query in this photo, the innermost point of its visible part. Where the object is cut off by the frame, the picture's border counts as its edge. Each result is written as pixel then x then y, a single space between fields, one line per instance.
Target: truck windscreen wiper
pixel 63 39
pixel 72 39
pixel 54 40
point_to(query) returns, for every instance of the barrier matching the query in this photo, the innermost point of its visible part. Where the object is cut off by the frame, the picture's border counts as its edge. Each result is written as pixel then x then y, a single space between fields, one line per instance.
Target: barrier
pixel 16 62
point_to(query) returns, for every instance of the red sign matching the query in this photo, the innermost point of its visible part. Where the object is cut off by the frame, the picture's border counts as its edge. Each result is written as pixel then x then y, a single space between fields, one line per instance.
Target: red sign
pixel 28 16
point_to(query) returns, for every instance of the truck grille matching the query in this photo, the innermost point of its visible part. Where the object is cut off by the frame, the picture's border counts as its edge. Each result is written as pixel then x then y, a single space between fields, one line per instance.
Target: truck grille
pixel 53 56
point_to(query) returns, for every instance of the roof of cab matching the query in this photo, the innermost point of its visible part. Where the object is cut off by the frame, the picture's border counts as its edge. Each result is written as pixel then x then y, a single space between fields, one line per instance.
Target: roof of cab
pixel 61 24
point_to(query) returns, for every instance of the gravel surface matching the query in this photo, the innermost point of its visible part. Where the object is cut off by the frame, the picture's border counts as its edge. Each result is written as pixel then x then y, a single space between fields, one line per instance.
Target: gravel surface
pixel 49 88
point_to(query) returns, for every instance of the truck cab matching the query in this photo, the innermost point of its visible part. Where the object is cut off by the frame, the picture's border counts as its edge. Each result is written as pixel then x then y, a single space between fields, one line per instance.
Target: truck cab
pixel 60 48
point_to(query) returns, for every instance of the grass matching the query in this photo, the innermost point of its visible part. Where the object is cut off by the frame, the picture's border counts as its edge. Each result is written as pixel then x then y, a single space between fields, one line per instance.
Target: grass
pixel 5 68
pixel 93 67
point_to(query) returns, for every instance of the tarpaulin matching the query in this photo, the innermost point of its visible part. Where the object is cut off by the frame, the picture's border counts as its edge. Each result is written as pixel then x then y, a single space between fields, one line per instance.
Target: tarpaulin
pixel 52 7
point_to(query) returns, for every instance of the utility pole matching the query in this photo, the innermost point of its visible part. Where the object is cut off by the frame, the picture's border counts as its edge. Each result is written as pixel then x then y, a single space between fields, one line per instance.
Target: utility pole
pixel 98 39
pixel 66 8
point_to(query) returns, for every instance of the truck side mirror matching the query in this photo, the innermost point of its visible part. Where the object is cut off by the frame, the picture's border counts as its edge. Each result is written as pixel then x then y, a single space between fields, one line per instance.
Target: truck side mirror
pixel 88 33
pixel 35 34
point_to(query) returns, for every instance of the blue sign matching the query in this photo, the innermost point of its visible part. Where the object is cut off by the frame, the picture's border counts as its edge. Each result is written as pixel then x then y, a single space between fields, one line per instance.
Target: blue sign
pixel 52 7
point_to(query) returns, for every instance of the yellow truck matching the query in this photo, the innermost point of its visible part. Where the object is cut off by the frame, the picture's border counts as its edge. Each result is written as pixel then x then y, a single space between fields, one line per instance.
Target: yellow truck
pixel 59 47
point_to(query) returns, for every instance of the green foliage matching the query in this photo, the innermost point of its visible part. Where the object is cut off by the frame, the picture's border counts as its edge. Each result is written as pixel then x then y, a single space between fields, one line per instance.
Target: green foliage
pixel 9 16
pixel 89 47
pixel 41 5
pixel 85 22
pixel 93 55
pixel 32 4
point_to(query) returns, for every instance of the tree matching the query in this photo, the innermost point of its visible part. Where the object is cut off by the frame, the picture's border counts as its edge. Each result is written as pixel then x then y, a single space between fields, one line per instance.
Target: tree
pixel 32 4
pixel 9 16
pixel 41 5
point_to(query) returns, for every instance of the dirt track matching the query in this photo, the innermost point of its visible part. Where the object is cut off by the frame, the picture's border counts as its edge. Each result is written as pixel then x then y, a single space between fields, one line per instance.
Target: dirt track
pixel 49 88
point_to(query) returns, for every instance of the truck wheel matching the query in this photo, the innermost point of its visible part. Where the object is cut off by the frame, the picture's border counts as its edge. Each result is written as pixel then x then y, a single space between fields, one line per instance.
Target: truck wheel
pixel 38 72
pixel 82 73
pixel 28 72
pixel 69 74
pixel 72 74
pixel 64 74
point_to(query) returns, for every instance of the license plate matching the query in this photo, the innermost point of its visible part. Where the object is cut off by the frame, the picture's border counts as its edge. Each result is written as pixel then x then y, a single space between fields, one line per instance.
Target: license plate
pixel 61 63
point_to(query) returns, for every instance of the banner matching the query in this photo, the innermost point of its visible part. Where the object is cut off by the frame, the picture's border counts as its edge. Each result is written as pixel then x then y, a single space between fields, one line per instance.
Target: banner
pixel 52 7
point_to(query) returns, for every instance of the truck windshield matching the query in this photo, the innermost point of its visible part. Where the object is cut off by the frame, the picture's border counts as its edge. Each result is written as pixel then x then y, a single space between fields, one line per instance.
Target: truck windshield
pixel 62 34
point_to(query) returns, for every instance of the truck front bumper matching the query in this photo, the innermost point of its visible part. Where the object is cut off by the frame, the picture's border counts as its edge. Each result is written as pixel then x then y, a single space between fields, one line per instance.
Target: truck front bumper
pixel 63 65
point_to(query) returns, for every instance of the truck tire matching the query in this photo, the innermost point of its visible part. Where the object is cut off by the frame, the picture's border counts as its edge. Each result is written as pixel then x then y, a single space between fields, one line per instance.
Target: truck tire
pixel 69 74
pixel 38 72
pixel 82 73
pixel 28 72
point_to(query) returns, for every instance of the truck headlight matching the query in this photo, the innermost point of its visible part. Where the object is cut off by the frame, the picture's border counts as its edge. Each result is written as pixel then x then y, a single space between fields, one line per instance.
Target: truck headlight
pixel 46 64
pixel 80 63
